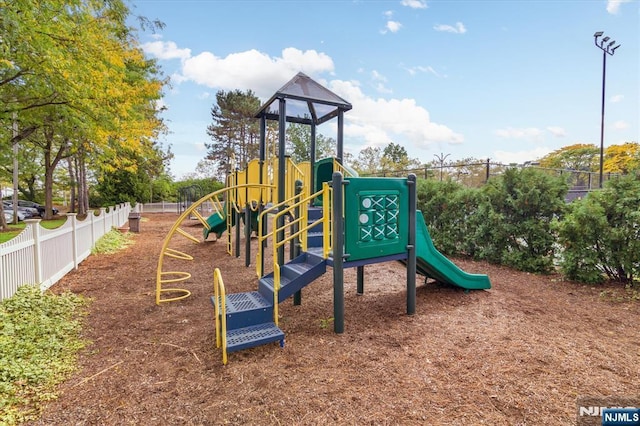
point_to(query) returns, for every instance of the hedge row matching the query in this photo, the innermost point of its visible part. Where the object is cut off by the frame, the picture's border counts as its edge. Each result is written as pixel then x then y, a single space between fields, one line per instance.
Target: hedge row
pixel 520 219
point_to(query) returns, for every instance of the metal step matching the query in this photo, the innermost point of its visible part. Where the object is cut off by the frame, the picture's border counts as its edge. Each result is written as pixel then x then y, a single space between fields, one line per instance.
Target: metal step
pixel 246 309
pixel 294 276
pixel 254 335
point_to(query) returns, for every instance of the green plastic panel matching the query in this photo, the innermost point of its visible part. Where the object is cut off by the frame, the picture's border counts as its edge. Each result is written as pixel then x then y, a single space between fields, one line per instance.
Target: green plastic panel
pixel 376 215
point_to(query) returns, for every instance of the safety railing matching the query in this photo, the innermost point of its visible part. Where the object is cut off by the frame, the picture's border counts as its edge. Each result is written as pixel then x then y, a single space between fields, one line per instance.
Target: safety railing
pixel 293 174
pixel 220 309
pixel 337 167
pixel 169 277
pixel 298 228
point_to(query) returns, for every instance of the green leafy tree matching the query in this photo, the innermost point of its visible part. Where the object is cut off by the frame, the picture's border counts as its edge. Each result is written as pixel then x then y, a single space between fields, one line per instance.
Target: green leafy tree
pixel 368 161
pixel 299 141
pixel 396 159
pixel 73 74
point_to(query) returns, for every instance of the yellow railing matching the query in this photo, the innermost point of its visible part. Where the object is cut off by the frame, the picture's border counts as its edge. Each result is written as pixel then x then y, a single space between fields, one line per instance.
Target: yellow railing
pixel 337 167
pixel 168 277
pixel 327 242
pixel 293 174
pixel 220 309
pixel 287 208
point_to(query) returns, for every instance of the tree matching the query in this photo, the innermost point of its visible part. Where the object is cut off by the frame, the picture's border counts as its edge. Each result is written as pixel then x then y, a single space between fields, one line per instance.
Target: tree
pixel 299 139
pixel 395 158
pixel 584 157
pixel 234 131
pixel 75 76
pixel 369 161
pixel 622 159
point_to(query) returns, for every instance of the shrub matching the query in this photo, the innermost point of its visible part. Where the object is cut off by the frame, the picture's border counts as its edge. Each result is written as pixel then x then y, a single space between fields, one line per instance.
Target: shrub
pixel 448 208
pixel 514 219
pixel 600 235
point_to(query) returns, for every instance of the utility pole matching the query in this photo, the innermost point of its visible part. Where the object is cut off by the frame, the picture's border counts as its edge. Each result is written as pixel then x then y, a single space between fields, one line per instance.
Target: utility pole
pixel 14 196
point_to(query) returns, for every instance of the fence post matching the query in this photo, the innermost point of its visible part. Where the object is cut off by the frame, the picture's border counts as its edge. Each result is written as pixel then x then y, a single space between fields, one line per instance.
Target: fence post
pixel 91 216
pixel 74 238
pixel 35 232
pixel 103 215
pixel 487 174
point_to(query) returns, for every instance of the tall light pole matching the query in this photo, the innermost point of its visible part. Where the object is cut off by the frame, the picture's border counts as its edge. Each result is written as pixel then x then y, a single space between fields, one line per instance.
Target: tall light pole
pixel 607 49
pixel 441 159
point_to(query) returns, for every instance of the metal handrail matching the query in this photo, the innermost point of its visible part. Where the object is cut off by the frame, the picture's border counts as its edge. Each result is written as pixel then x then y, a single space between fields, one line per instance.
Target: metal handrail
pixel 262 237
pixel 220 308
pixel 286 208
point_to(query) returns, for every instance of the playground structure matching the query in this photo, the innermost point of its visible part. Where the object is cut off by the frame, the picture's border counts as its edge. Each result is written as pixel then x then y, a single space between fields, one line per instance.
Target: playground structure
pixel 321 210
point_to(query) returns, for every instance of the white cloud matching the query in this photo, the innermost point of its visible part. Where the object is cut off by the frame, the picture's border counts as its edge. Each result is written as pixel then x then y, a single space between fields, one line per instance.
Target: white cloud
pixel 519 157
pixel 238 70
pixel 392 26
pixel 372 121
pixel 388 14
pixel 380 121
pixel 616 98
pixel 613 6
pixel 530 133
pixel 414 4
pixel 557 131
pixel 165 50
pixel 204 95
pixel 378 81
pixel 620 125
pixel 428 69
pixel 459 28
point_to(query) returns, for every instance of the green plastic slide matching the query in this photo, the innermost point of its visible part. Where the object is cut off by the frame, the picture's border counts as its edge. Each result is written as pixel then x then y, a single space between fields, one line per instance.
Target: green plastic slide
pixel 217 223
pixel 431 263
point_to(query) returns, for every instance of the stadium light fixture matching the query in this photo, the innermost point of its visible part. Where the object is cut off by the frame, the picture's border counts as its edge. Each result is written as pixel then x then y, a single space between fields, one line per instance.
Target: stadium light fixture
pixel 606 50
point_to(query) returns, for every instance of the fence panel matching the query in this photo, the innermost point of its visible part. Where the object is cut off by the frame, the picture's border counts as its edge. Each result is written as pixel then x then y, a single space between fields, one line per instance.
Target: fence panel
pixel 43 256
pixel 17 261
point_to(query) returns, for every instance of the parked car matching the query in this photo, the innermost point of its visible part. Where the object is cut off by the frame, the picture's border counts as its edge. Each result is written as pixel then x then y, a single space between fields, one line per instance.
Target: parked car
pixel 8 215
pixel 39 207
pixel 26 212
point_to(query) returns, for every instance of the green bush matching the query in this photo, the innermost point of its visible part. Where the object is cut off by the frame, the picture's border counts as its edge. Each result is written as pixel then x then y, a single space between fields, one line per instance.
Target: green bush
pixel 600 236
pixel 514 219
pixel 448 209
pixel 39 340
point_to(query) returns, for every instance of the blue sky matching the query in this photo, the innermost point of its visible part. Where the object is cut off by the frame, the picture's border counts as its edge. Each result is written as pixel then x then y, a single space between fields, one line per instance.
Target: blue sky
pixel 505 80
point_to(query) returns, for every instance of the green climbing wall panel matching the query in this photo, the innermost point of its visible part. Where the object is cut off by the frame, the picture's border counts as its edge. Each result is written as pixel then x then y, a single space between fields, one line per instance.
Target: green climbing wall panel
pixel 376 215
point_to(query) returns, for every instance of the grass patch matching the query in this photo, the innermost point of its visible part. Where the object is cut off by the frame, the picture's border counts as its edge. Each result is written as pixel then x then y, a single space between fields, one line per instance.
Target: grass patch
pixel 15 230
pixel 39 342
pixel 112 242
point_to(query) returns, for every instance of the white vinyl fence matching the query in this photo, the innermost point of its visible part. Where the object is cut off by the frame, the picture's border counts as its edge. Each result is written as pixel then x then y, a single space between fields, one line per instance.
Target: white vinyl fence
pixel 43 256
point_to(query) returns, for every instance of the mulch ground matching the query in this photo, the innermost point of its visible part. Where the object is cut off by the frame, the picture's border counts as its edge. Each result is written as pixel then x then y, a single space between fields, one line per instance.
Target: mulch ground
pixel 520 353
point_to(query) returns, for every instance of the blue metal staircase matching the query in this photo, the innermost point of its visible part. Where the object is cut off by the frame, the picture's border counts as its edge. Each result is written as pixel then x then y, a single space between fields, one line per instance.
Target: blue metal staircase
pixel 250 315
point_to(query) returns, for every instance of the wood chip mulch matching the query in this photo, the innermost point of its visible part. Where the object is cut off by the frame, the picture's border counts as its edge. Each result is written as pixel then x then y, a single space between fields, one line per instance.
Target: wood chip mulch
pixel 520 353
